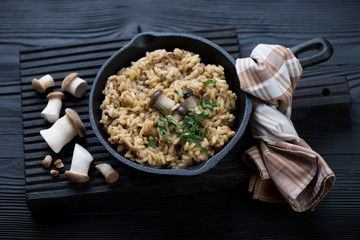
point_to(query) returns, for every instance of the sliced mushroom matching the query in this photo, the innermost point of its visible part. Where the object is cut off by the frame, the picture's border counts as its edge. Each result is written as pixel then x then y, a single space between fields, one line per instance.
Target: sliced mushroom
pixel 47 161
pixel 64 130
pixel 58 163
pixel 80 165
pixel 74 85
pixel 40 85
pixel 180 113
pixel 190 101
pixel 108 171
pixel 52 110
pixel 161 102
pixel 54 173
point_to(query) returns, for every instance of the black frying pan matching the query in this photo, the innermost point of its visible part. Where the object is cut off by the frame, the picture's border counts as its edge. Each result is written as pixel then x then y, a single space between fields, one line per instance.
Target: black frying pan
pixel 209 53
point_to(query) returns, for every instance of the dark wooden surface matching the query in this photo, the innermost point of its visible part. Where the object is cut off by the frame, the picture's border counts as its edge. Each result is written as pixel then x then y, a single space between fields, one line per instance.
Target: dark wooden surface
pixel 229 213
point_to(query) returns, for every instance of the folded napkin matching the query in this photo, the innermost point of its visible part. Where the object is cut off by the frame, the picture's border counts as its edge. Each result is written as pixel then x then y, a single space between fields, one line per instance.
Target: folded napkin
pixel 285 167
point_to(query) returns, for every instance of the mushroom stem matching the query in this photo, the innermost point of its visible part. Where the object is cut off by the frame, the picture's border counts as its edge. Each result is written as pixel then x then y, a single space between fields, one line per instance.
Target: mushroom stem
pixel 109 173
pixel 161 102
pixel 74 85
pixel 190 101
pixel 178 117
pixel 80 165
pixel 63 130
pixel 52 110
pixel 40 85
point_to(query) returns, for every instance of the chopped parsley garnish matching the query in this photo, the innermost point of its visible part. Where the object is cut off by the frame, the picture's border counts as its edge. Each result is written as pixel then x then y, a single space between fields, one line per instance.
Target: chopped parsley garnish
pixel 191 130
pixel 152 143
pixel 206 103
pixel 175 123
pixel 163 125
pixel 166 110
pixel 169 109
pixel 209 82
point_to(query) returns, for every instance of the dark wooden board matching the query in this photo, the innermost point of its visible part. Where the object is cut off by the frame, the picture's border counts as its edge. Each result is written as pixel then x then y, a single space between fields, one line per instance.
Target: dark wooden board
pixel 321 97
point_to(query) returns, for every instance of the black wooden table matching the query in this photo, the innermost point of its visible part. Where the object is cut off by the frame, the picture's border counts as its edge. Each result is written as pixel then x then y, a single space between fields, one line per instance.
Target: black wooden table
pixel 222 212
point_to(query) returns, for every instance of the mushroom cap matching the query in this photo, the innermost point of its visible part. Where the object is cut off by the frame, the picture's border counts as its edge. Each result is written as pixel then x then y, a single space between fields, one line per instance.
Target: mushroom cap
pixel 182 110
pixel 55 94
pixel 155 97
pixel 187 92
pixel 68 80
pixel 38 86
pixel 78 124
pixel 76 177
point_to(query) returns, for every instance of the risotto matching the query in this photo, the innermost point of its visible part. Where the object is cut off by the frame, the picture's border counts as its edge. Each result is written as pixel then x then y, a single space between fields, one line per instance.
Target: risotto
pixel 168 109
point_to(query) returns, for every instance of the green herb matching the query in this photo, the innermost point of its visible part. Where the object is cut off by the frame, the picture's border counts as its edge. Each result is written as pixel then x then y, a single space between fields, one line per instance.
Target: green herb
pixel 185 91
pixel 169 109
pixel 163 126
pixel 191 130
pixel 209 82
pixel 166 111
pixel 206 103
pixel 197 144
pixel 152 143
pixel 174 122
pixel 188 120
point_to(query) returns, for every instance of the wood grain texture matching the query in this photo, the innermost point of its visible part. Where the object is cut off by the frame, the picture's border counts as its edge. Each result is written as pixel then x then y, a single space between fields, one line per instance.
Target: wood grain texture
pixel 228 214
pixel 321 97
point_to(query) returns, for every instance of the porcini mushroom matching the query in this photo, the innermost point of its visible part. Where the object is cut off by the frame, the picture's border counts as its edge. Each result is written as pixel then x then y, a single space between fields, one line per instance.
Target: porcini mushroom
pixel 180 113
pixel 64 130
pixel 190 101
pixel 52 110
pixel 80 165
pixel 161 102
pixel 74 85
pixel 108 171
pixel 40 85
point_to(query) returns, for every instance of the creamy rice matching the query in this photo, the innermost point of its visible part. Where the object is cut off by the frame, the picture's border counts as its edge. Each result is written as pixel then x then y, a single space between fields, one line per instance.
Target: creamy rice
pixel 132 124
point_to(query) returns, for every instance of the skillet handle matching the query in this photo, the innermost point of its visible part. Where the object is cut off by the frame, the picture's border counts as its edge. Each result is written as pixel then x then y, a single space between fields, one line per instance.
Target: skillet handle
pixel 323 47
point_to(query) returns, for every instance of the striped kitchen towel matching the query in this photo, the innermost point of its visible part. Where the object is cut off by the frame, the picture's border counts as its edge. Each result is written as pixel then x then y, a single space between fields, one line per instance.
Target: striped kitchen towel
pixel 285 167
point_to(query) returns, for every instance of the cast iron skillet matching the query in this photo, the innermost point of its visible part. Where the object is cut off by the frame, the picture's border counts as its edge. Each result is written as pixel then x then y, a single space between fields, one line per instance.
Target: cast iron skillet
pixel 209 53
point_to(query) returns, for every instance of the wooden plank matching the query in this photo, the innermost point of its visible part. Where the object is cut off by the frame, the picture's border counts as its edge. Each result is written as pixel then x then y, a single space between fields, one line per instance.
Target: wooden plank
pixel 321 97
